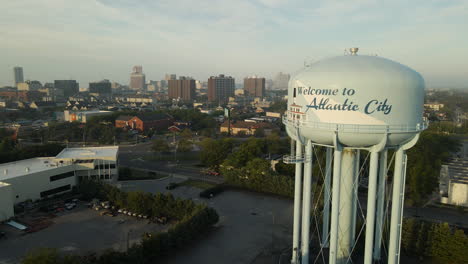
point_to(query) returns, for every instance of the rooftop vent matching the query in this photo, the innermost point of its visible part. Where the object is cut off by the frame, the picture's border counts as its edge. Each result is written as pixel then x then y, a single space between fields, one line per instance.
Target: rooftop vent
pixel 354 51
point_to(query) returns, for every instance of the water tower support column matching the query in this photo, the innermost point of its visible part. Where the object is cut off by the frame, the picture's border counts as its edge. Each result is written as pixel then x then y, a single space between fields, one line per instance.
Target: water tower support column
pixel 335 203
pixel 297 203
pixel 371 200
pixel 306 206
pixel 397 197
pixel 357 171
pixel 380 204
pixel 398 194
pixel 326 198
pixel 345 225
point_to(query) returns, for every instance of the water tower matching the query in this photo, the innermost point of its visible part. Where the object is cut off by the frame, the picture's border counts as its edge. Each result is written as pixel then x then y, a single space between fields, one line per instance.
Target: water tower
pixel 348 104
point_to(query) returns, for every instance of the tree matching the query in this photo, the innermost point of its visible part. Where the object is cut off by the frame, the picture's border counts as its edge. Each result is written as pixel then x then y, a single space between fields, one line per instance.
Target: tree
pixel 259 132
pixel 250 149
pixel 184 145
pixel 49 256
pixel 215 151
pixel 42 256
pixel 160 145
pixel 424 163
pixel 186 134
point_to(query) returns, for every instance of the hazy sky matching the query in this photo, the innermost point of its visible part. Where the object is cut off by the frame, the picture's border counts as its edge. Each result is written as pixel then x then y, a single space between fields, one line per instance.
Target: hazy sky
pixel 90 40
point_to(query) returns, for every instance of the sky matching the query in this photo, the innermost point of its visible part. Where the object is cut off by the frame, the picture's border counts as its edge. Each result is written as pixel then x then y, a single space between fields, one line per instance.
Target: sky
pixel 91 40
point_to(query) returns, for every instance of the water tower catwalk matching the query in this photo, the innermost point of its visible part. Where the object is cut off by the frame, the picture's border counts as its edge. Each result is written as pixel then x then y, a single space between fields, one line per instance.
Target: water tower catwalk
pixel 351 106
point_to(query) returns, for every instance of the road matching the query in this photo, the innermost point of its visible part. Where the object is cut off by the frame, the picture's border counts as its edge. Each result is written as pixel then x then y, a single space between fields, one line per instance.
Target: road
pixel 134 157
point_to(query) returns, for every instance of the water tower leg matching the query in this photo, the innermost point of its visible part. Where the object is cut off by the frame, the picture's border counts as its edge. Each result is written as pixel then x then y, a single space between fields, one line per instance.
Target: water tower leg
pixel 335 206
pixel 307 197
pixel 380 204
pixel 371 200
pixel 355 196
pixel 326 198
pixel 346 207
pixel 397 203
pixel 297 205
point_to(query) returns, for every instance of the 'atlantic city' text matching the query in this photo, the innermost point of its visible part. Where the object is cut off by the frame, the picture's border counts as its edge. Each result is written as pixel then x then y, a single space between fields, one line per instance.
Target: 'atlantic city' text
pixel 324 103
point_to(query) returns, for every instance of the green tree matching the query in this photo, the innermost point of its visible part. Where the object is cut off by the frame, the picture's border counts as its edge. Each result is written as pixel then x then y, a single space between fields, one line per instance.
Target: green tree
pixel 215 151
pixel 42 256
pixel 424 163
pixel 260 132
pixel 184 145
pixel 186 134
pixel 160 145
pixel 250 149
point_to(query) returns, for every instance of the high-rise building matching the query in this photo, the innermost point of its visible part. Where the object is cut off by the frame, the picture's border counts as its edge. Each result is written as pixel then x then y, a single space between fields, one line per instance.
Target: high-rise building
pixel 103 87
pixel 254 86
pixel 137 79
pixel 281 80
pixel 183 89
pixel 18 72
pixel 170 77
pixel 220 88
pixel 69 87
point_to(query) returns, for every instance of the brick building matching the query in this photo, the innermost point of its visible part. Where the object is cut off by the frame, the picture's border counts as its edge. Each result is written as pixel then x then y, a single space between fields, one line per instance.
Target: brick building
pixel 183 89
pixel 220 88
pixel 254 86
pixel 145 121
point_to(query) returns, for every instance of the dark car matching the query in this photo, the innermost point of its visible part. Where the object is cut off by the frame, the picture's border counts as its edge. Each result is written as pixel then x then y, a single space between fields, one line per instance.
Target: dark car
pixel 171 186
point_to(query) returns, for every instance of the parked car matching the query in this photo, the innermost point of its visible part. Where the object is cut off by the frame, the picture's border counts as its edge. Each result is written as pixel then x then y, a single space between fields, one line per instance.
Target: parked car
pixel 70 206
pixel 171 186
pixel 2 235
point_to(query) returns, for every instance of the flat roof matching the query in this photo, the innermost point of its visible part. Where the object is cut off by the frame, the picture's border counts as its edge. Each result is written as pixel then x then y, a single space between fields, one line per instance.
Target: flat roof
pixel 88 152
pixel 4 184
pixel 22 167
pixel 89 112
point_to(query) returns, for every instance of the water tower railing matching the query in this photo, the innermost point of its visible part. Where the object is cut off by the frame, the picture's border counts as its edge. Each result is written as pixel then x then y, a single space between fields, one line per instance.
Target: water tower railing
pixel 293 159
pixel 353 128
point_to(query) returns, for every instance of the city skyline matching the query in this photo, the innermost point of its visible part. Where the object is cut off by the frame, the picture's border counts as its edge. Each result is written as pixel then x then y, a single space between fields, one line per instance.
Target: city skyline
pixel 103 39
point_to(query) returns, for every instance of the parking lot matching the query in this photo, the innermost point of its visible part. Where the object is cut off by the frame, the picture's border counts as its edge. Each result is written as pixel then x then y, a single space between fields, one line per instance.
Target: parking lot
pixel 250 224
pixel 77 231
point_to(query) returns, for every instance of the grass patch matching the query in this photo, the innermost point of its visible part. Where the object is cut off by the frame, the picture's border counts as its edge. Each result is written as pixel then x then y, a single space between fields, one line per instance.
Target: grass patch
pixel 197 184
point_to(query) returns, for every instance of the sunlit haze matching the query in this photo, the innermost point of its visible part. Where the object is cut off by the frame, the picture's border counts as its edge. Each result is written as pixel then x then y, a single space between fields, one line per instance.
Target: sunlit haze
pixel 90 40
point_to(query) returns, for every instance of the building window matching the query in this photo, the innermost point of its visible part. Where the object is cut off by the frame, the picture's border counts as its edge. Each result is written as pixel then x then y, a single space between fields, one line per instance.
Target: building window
pixel 55 190
pixel 62 176
pixel 104 166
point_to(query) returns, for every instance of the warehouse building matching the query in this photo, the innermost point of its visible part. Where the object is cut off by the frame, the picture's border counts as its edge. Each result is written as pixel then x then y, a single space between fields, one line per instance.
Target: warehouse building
pixel 38 178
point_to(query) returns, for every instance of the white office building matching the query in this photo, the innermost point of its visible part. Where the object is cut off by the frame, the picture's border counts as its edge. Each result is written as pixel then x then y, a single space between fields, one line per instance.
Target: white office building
pixel 453 182
pixel 39 178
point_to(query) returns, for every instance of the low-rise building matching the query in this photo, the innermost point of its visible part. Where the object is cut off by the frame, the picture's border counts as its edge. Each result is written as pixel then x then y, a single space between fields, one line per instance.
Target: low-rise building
pixel 145 121
pixel 42 106
pixel 247 128
pixel 38 178
pixel 434 106
pixel 83 116
pixel 453 181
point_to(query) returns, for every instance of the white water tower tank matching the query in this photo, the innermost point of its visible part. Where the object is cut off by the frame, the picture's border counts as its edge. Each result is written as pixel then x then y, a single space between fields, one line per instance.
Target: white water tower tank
pixel 361 99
